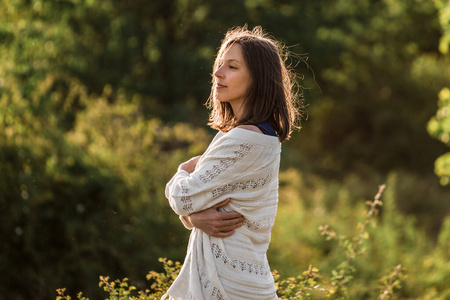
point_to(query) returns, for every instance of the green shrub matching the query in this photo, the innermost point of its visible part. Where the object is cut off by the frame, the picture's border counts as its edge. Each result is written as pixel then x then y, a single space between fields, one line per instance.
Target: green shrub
pixel 309 285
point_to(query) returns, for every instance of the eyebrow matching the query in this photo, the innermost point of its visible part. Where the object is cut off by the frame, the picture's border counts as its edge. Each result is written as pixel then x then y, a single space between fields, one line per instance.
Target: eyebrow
pixel 233 60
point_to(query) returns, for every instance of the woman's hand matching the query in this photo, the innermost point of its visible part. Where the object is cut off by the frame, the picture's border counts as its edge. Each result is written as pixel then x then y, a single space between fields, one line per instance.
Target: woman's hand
pixel 189 166
pixel 216 223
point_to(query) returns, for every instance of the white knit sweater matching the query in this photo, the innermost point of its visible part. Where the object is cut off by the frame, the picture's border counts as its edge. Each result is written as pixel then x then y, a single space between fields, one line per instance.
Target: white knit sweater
pixel 242 165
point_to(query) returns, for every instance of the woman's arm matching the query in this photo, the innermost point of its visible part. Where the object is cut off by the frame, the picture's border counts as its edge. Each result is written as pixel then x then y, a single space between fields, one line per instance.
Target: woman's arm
pixel 216 223
pixel 211 221
pixel 199 183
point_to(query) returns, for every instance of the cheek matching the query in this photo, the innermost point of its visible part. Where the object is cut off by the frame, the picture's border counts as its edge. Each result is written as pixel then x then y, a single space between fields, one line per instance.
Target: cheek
pixel 248 84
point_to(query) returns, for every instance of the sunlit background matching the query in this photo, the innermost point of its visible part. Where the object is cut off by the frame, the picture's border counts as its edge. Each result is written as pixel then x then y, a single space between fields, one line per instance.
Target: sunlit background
pixel 100 100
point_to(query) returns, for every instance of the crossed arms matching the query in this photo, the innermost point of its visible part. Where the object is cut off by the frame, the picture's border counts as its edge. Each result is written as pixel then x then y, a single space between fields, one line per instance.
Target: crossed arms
pixel 211 221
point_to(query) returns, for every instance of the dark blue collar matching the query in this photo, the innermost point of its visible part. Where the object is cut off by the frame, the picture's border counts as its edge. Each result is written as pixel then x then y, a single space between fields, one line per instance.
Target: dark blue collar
pixel 267 128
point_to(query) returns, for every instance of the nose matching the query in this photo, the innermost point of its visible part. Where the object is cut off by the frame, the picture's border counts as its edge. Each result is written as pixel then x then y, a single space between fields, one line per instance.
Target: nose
pixel 218 73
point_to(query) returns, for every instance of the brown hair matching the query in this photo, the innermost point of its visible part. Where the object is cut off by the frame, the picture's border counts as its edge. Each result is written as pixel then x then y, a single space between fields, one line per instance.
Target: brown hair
pixel 271 97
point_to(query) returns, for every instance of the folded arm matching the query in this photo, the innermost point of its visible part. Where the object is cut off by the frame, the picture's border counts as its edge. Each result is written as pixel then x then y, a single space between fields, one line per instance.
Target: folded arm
pixel 200 184
pixel 214 222
pixel 211 221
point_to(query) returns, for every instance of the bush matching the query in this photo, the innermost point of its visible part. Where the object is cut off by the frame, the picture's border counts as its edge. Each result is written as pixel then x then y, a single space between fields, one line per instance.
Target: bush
pixel 309 285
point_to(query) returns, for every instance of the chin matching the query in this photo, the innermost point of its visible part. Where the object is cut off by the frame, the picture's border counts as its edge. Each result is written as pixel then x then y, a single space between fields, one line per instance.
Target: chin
pixel 222 101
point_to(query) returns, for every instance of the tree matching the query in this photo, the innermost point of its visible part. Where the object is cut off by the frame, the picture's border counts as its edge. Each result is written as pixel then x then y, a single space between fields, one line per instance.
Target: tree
pixel 439 125
pixel 376 77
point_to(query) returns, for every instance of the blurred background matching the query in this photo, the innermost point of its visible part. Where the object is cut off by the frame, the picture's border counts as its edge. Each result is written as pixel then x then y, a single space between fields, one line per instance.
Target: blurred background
pixel 100 100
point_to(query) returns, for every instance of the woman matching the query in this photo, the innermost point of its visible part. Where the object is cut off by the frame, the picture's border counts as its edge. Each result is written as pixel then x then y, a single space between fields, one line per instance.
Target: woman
pixel 252 106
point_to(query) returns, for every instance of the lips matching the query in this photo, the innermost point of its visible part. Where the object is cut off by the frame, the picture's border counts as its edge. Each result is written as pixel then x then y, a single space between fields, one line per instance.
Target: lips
pixel 220 86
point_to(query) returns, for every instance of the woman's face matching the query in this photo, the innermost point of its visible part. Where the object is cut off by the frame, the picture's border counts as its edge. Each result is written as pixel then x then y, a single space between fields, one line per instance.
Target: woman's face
pixel 232 78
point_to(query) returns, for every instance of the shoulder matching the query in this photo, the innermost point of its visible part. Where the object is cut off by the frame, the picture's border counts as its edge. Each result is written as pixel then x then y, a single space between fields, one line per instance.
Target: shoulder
pixel 247 134
pixel 251 128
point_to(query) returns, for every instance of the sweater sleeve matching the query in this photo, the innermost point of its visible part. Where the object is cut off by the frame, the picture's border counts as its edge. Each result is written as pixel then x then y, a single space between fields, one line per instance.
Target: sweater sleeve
pixel 221 163
pixel 187 224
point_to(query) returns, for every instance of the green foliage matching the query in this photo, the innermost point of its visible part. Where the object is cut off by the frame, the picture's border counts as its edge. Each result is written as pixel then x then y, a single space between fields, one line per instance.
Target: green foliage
pixel 91 93
pixel 390 239
pixel 376 77
pixel 309 285
pixel 444 17
pixel 439 127
pixel 391 282
pixel 162 281
pixel 343 274
pixel 305 286
pixel 81 202
pixel 122 290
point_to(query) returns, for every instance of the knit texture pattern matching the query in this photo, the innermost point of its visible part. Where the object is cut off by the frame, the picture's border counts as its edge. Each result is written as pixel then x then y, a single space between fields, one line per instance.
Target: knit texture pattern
pixel 242 165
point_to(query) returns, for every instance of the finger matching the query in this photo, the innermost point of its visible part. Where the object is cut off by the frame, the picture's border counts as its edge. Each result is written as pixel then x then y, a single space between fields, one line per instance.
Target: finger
pixel 229 225
pixel 231 215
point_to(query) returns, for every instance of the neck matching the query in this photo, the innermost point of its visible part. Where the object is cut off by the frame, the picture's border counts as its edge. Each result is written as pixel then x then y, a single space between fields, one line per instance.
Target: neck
pixel 237 110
